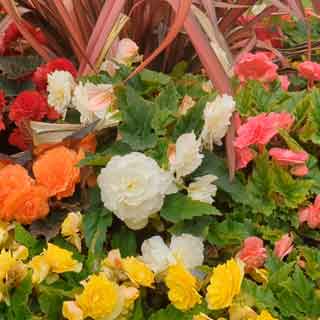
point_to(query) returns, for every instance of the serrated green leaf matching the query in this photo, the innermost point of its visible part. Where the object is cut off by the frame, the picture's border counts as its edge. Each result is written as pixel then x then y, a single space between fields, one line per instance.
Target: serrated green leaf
pixel 26 238
pixel 312 258
pixel 229 232
pixel 19 300
pixel 51 305
pixel 178 207
pixel 154 77
pixel 125 240
pixel 136 128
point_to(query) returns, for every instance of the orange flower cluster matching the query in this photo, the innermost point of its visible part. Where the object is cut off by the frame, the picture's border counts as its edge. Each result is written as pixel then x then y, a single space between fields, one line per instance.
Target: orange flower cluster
pixel 25 199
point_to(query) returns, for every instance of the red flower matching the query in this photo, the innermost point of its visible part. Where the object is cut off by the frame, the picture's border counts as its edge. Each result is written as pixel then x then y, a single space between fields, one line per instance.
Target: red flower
pixel 28 105
pixel 285 83
pixel 2 100
pixel 40 76
pixel 18 140
pixel 253 254
pixel 256 66
pixel 259 130
pixel 311 214
pixel 269 35
pixel 309 70
pixel 284 246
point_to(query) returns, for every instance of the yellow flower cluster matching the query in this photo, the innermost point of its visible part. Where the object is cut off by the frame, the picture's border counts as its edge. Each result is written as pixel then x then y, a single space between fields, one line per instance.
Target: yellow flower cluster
pixel 182 287
pixel 54 259
pixel 225 284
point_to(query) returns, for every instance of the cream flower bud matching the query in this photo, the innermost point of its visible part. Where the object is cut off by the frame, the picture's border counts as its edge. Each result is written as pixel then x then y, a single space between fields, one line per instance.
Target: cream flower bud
pixel 127 51
pixel 203 188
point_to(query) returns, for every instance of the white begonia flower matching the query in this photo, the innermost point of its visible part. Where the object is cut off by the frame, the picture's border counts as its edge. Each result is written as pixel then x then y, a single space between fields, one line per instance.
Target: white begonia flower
pixel 156 254
pixel 187 157
pixel 95 102
pixel 217 115
pixel 189 249
pixel 60 87
pixel 203 188
pixel 133 187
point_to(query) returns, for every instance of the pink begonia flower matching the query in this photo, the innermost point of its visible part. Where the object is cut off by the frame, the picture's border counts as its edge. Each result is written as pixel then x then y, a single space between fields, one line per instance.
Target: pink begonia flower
pixel 256 66
pixel 285 83
pixel 261 129
pixel 287 157
pixel 284 246
pixel 300 170
pixel 100 97
pixel 311 214
pixel 253 254
pixel 309 70
pixel 243 157
pixel 127 51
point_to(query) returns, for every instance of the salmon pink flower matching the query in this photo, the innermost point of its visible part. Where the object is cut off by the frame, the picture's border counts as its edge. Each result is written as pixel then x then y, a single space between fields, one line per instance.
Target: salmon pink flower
pixel 311 214
pixel 300 170
pixel 284 81
pixel 261 129
pixel 284 246
pixel 256 66
pixel 253 254
pixel 309 70
pixel 244 156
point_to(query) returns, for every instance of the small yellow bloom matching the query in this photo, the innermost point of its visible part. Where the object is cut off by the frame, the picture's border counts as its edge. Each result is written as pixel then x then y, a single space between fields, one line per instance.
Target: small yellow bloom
pixel 71 311
pixel 225 284
pixel 20 252
pixel 7 262
pixel 60 260
pixel 100 299
pixel 201 316
pixel 259 275
pixel 71 228
pixel 265 315
pixel 40 268
pixel 138 272
pixel 5 227
pixel 182 287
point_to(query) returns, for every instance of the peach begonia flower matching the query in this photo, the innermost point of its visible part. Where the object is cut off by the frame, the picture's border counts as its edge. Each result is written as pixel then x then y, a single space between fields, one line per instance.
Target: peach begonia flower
pixel 259 130
pixel 56 170
pixel 284 81
pixel 253 254
pixel 256 66
pixel 309 70
pixel 286 157
pixel 284 246
pixel 243 157
pixel 311 214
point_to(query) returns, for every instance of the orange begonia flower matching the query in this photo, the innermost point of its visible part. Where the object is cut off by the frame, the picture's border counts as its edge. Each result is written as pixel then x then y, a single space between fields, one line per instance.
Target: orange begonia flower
pixel 26 205
pixel 56 170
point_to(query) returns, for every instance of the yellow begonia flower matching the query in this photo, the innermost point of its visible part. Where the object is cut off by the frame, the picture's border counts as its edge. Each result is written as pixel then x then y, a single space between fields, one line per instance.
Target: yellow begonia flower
pixel 40 268
pixel 71 228
pixel 138 272
pixel 5 227
pixel 265 315
pixel 201 316
pixel 20 252
pixel 259 275
pixel 60 260
pixel 225 284
pixel 7 263
pixel 100 299
pixel 182 287
pixel 71 311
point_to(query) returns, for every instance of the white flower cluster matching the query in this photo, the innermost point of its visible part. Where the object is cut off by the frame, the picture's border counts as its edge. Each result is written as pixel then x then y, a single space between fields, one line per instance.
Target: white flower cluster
pixel 133 187
pixel 185 248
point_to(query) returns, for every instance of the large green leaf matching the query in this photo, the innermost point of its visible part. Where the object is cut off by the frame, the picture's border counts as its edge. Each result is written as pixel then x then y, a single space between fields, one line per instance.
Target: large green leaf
pixel 178 207
pixel 137 113
pixel 124 240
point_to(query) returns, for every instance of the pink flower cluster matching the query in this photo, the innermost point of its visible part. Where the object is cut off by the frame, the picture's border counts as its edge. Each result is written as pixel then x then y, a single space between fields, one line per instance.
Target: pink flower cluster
pixel 259 66
pixel 254 255
pixel 311 214
pixel 309 70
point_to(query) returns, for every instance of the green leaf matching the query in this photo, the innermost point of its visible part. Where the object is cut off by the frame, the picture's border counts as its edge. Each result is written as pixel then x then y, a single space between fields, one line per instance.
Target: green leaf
pixel 192 121
pixel 125 240
pixel 138 313
pixel 154 77
pixel 178 207
pixel 312 258
pixel 25 238
pixel 229 232
pixel 169 313
pixel 159 153
pixel 12 87
pixel 212 164
pixel 16 67
pixel 198 226
pixel 51 305
pixel 20 298
pixel 136 128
